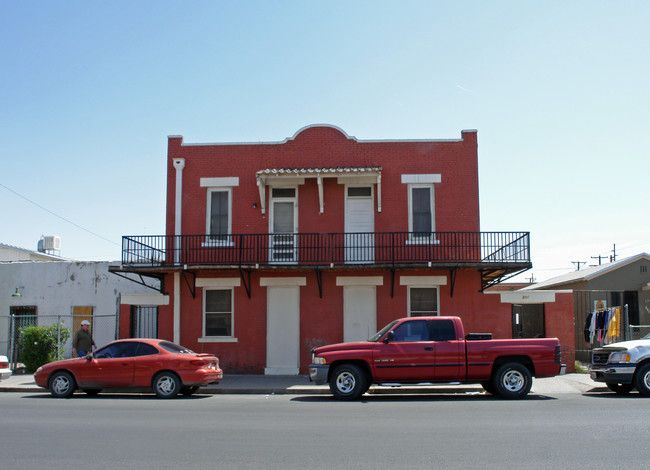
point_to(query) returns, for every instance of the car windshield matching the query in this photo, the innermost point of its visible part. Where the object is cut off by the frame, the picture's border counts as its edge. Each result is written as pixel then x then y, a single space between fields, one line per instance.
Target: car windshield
pixel 175 348
pixel 382 332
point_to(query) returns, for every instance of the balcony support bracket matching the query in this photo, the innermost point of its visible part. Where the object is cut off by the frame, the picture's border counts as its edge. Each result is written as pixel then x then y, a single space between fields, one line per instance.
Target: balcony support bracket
pixel 452 277
pixel 246 280
pixel 191 286
pixel 319 281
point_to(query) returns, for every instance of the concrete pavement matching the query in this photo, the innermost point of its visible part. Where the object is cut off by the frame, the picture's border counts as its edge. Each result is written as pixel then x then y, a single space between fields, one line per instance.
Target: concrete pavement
pixel 300 385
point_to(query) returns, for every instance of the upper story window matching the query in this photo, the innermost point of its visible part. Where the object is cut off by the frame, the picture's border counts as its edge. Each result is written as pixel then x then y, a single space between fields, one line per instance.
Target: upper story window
pixel 218 225
pixel 219 214
pixel 421 207
pixel 421 210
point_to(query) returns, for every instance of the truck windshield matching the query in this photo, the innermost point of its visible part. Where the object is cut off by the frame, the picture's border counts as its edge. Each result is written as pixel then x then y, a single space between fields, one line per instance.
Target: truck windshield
pixel 382 332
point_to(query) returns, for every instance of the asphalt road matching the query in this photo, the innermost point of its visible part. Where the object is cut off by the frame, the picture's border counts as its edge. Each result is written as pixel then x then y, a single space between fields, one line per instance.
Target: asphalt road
pixel 590 431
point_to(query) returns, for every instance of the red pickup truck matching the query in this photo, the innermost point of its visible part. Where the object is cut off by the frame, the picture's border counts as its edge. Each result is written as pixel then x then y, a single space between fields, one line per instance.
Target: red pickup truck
pixel 435 350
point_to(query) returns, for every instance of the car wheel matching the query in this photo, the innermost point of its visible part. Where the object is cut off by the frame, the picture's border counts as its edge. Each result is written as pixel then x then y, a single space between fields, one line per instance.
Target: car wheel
pixel 62 384
pixel 642 380
pixel 512 381
pixel 348 382
pixel 189 391
pixel 166 385
pixel 620 389
pixel 92 392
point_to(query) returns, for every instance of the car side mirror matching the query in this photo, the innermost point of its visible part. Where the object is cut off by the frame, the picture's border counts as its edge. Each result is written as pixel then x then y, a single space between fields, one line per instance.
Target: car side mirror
pixel 89 358
pixel 389 337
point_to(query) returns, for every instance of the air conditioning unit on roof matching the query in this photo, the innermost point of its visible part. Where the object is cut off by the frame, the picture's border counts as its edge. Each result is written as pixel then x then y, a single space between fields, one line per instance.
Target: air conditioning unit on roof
pixel 49 244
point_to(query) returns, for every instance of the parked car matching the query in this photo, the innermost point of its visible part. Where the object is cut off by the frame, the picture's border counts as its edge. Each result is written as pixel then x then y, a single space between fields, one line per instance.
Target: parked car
pixel 164 367
pixel 435 350
pixel 5 371
pixel 623 366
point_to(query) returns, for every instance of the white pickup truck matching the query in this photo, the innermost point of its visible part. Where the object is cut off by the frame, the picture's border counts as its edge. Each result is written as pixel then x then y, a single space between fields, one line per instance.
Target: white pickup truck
pixel 623 366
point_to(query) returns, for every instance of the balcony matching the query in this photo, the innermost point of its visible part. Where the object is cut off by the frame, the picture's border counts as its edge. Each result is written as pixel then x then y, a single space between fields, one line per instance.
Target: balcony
pixel 498 255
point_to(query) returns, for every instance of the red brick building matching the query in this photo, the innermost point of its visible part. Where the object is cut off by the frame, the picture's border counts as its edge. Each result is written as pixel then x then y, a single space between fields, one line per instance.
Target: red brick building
pixel 274 248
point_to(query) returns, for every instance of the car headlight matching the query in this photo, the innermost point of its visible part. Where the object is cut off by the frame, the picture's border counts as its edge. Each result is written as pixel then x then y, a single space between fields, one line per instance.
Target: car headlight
pixel 39 369
pixel 319 360
pixel 619 357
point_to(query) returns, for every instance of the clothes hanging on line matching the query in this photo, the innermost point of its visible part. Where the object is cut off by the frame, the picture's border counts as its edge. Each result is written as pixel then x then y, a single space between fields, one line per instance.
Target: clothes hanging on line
pixel 603 325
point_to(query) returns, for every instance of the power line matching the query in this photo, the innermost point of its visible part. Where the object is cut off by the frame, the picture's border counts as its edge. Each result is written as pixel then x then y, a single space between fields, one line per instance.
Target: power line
pixel 57 215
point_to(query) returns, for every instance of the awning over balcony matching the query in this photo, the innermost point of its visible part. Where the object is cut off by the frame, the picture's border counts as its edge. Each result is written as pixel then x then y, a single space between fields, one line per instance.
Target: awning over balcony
pixel 345 175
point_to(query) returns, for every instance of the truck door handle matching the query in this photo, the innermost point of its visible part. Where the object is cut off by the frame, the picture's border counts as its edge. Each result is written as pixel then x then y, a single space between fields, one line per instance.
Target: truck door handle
pixel 428 348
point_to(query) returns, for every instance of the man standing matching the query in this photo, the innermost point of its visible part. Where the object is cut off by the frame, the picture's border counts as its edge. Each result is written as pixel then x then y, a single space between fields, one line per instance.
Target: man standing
pixel 83 342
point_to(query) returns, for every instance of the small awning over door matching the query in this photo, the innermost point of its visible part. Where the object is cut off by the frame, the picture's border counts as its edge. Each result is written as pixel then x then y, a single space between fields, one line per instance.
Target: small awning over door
pixel 277 176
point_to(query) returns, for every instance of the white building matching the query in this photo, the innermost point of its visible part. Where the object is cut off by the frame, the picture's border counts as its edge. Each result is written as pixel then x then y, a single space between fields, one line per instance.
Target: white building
pixel 42 289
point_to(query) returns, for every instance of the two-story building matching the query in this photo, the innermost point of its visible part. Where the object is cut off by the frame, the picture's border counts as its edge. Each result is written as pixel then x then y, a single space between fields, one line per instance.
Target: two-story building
pixel 274 248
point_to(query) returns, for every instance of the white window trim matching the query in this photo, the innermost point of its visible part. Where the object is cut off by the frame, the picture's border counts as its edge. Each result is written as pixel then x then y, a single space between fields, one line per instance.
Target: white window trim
pixel 219 339
pixel 422 282
pixel 208 213
pixel 413 240
pixel 408 298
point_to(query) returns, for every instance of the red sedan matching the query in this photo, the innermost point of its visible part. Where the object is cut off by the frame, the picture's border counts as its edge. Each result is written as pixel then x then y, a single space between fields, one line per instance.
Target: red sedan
pixel 165 367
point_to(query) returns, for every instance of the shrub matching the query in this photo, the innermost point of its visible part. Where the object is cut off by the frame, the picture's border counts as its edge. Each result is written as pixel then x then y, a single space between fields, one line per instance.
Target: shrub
pixel 38 345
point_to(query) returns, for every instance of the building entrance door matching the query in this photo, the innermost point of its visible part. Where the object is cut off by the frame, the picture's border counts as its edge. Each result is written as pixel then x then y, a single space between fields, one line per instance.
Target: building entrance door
pixel 359 313
pixel 282 330
pixel 528 321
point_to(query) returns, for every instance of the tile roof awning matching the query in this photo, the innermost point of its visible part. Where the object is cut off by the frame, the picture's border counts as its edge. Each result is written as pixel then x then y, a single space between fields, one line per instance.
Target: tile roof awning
pixel 360 175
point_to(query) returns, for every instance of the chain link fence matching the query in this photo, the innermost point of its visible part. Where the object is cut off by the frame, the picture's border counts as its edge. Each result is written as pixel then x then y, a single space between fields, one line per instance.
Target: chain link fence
pixel 103 330
pixel 639 331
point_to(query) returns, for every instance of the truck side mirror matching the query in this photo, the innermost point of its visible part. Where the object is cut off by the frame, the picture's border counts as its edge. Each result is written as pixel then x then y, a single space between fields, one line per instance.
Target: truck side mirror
pixel 389 337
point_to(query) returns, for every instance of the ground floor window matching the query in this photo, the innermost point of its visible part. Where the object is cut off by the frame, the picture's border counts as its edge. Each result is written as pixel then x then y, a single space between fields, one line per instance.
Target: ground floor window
pixel 217 312
pixel 423 301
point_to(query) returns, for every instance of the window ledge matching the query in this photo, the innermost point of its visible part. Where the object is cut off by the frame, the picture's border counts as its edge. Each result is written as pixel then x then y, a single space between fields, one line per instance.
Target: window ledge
pixel 216 243
pixel 217 339
pixel 423 241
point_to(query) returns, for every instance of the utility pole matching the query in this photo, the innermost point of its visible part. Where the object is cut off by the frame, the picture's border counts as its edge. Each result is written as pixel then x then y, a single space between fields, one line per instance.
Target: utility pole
pixel 599 258
pixel 612 258
pixel 531 279
pixel 578 264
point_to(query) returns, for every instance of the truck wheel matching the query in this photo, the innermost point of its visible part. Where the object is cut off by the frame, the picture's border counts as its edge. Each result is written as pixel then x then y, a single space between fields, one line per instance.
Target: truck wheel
pixel 620 389
pixel 642 380
pixel 512 381
pixel 348 382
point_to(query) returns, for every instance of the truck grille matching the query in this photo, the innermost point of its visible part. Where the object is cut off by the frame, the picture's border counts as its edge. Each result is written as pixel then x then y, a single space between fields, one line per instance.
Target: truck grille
pixel 599 357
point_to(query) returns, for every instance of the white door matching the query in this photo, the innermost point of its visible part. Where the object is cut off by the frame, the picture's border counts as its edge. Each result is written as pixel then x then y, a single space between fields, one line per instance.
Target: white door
pixel 359 313
pixel 282 330
pixel 359 225
pixel 283 246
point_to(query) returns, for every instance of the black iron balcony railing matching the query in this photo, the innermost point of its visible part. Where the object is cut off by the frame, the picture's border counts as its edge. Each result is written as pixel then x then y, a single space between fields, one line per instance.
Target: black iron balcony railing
pixel 328 249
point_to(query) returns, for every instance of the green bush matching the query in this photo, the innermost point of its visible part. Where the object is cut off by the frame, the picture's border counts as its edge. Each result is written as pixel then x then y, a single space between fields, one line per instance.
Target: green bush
pixel 38 345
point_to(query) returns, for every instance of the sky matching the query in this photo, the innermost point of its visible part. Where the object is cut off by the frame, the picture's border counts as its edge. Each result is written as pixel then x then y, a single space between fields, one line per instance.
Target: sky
pixel 558 91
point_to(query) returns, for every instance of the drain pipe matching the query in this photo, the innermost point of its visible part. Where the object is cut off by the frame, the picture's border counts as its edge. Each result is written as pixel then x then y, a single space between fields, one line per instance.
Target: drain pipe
pixel 179 164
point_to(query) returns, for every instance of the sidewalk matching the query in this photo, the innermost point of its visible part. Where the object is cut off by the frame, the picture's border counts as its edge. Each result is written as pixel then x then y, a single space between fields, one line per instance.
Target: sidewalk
pixel 300 385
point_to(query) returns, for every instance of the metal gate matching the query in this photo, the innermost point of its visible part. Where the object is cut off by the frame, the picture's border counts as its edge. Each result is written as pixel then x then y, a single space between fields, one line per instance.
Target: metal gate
pixel 103 330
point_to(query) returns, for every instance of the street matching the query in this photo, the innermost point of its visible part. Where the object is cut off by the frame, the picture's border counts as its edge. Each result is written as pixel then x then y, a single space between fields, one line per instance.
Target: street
pixel 568 430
